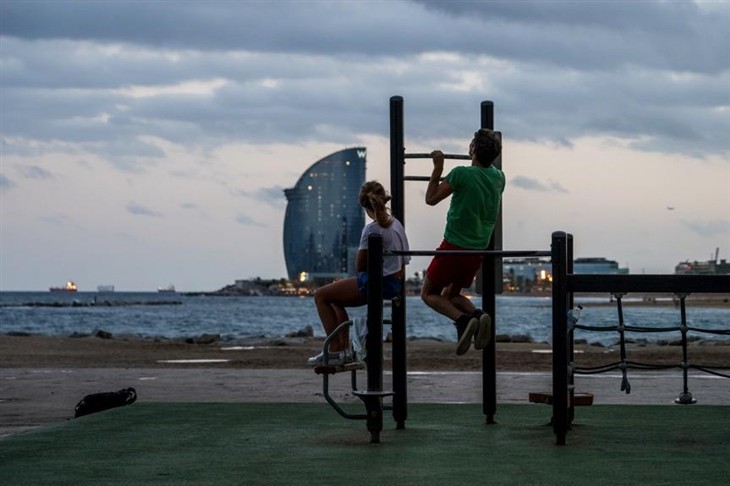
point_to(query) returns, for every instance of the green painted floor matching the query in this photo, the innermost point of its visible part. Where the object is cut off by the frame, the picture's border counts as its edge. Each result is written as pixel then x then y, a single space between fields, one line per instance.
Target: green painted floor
pixel 299 444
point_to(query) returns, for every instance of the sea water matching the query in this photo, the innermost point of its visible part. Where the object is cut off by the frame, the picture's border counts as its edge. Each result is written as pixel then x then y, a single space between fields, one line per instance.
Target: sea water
pixel 174 316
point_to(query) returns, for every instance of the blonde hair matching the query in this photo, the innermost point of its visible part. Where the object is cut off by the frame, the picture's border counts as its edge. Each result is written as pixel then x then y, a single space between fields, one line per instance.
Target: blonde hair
pixel 374 198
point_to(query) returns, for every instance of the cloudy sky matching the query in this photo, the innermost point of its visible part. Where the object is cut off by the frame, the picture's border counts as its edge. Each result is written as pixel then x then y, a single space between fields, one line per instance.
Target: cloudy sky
pixel 148 143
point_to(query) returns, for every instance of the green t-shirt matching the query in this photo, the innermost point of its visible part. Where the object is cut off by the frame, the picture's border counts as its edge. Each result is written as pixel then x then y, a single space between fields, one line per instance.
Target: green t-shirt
pixel 474 205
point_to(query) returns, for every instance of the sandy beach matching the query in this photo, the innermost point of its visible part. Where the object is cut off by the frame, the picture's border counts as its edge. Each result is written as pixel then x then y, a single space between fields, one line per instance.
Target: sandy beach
pixel 36 351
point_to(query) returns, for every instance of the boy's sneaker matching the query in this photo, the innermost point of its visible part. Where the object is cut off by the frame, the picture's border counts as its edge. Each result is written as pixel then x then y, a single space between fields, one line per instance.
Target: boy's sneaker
pixel 466 326
pixel 484 329
pixel 333 359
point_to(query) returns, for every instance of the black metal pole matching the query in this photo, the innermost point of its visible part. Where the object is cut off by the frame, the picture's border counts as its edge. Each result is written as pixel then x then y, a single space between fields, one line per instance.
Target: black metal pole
pixel 560 317
pixel 487 114
pixel 399 362
pixel 374 340
pixel 490 267
pixel 684 398
pixel 397 160
pixel 398 316
pixel 570 337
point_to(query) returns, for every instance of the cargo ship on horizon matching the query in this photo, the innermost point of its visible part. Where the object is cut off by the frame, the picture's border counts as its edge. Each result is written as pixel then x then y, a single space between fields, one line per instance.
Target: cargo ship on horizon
pixel 69 287
pixel 170 289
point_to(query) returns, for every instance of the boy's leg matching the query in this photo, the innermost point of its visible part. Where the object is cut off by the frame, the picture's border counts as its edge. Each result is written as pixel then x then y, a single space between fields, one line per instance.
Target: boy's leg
pixel 460 301
pixel 435 297
pixel 440 300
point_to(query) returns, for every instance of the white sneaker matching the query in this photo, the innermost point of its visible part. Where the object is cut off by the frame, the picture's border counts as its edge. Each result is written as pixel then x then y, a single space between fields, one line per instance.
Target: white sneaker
pixel 333 359
pixel 484 332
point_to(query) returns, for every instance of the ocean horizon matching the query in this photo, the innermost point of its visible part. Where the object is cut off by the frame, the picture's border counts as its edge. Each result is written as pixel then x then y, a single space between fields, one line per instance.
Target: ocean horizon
pixel 153 315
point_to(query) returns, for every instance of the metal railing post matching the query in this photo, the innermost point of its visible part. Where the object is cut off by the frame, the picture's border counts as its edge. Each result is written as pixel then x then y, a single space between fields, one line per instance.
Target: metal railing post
pixel 374 340
pixel 398 316
pixel 489 291
pixel 397 159
pixel 560 352
pixel 571 342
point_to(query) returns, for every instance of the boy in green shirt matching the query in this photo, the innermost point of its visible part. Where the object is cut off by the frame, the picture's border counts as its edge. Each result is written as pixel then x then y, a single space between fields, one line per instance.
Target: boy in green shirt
pixel 476 192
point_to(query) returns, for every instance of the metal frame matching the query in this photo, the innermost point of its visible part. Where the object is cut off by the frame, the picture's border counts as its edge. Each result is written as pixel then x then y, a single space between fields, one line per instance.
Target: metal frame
pixel 565 284
pixel 491 278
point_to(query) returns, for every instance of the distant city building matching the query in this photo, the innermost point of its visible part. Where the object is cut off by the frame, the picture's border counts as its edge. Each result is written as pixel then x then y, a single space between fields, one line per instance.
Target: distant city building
pixel 535 274
pixel 597 266
pixel 526 274
pixel 709 267
pixel 323 219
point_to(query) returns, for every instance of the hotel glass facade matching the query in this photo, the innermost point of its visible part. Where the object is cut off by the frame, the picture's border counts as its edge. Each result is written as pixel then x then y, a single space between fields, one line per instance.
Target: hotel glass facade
pixel 323 219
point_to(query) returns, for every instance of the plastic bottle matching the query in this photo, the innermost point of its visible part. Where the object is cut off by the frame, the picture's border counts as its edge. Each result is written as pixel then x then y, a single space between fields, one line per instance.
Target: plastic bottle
pixel 574 315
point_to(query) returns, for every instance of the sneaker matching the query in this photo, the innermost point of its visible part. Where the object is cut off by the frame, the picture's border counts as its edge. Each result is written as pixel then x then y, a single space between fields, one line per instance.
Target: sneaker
pixel 333 359
pixel 465 330
pixel 484 330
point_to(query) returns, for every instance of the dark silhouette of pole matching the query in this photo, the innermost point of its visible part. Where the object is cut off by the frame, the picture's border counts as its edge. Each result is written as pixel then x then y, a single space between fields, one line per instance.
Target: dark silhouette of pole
pixel 374 340
pixel 570 304
pixel 560 351
pixel 491 277
pixel 398 309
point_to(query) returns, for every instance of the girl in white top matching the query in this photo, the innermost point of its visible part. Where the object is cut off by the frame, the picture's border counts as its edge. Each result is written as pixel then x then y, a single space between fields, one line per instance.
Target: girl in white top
pixel 332 299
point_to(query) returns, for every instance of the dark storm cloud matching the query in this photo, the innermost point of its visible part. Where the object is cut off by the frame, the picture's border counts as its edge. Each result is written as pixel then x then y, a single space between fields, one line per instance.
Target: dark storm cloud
pixel 661 34
pixel 654 72
pixel 603 34
pixel 305 27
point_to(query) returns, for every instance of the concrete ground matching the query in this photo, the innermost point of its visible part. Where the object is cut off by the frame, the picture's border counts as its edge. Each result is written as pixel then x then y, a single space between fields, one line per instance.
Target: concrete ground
pixel 33 397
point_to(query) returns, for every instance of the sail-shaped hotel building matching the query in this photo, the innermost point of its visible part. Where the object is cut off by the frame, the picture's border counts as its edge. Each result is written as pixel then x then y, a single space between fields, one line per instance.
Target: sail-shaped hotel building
pixel 323 219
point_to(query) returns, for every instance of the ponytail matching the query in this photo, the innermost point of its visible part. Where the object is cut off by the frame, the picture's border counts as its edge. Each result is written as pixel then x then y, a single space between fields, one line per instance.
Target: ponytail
pixel 374 198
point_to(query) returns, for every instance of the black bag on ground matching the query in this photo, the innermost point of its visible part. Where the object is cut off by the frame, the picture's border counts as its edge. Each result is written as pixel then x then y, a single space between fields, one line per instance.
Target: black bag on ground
pixel 98 402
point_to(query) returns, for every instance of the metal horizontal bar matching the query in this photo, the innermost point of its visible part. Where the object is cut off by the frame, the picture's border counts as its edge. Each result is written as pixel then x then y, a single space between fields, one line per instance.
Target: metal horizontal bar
pixel 418 178
pixel 649 283
pixel 492 253
pixel 428 156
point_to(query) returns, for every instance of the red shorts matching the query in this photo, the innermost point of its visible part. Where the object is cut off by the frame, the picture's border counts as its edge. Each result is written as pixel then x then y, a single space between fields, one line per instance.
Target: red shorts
pixel 445 270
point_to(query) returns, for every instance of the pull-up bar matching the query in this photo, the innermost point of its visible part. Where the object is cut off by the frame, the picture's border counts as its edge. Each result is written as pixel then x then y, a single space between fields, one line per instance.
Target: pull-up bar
pixel 428 156
pixel 491 253
pixel 491 267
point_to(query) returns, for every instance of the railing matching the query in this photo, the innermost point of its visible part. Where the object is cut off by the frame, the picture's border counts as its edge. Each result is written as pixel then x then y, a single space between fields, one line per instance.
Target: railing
pixel 565 284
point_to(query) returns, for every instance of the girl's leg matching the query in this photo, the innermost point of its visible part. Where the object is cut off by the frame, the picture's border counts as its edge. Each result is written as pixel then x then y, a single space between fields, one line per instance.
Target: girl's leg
pixel 331 301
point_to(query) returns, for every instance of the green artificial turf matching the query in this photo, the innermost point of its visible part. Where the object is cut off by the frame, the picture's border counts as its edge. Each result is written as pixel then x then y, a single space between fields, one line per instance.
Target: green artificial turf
pixel 300 444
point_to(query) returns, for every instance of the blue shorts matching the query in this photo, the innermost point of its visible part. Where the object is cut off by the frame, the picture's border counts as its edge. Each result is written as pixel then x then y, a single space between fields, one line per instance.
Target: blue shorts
pixel 392 286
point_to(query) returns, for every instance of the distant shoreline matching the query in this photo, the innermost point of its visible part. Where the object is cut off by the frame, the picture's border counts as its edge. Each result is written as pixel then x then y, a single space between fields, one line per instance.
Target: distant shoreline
pixel 635 299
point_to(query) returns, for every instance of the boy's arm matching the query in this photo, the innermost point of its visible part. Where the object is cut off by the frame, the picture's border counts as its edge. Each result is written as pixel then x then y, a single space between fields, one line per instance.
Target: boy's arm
pixel 437 191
